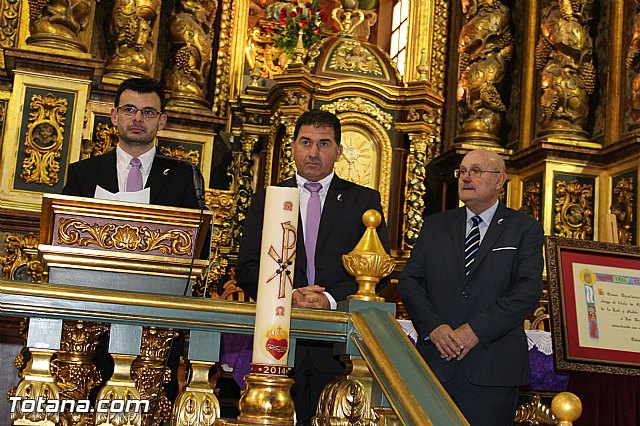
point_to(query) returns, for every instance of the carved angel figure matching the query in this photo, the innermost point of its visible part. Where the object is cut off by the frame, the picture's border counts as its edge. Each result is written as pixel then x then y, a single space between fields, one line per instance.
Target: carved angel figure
pixel 130 35
pixel 564 54
pixel 485 46
pixel 191 40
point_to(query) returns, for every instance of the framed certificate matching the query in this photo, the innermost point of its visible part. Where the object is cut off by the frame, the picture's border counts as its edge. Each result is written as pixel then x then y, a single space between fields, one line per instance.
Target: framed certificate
pixel 594 294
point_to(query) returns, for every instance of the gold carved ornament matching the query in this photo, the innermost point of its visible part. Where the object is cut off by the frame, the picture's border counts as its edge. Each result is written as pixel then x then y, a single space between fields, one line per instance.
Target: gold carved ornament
pixel 564 55
pixel 357 156
pixel 131 38
pixel 362 106
pixel 124 237
pixel 73 368
pixel 58 24
pixel 633 64
pixel 21 261
pixel 10 15
pixel 243 176
pixel 43 142
pixel 622 208
pixel 485 46
pixel 416 189
pixel 531 200
pixel 353 56
pixel 192 156
pixel 106 139
pixel 149 373
pixel 223 61
pixel 574 210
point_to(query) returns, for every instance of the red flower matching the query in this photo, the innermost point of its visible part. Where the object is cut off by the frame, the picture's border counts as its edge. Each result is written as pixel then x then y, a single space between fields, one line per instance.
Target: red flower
pixel 308 4
pixel 316 30
pixel 272 24
pixel 298 9
pixel 294 2
pixel 282 23
pixel 324 18
pixel 303 22
pixel 268 30
pixel 311 11
pixel 292 14
pixel 283 13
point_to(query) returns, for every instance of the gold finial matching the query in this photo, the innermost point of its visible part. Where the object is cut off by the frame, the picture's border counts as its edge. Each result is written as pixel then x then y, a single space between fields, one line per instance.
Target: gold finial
pixel 567 408
pixel 255 73
pixel 422 66
pixel 368 262
pixel 299 51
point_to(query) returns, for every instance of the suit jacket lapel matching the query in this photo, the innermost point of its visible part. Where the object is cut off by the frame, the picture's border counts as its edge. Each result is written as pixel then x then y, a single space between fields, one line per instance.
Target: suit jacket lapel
pixel 159 175
pixel 457 228
pixel 336 198
pixel 108 174
pixel 497 225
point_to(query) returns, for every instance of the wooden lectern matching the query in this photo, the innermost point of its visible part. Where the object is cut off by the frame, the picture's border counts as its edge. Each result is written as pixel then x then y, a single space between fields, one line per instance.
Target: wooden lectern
pixel 122 246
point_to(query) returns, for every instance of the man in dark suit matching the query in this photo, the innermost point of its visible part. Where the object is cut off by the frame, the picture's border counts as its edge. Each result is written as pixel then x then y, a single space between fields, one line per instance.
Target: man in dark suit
pixel 468 296
pixel 138 114
pixel 320 282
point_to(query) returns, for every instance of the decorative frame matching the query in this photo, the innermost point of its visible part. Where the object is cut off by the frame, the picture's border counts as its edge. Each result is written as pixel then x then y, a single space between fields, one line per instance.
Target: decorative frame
pixel 596 329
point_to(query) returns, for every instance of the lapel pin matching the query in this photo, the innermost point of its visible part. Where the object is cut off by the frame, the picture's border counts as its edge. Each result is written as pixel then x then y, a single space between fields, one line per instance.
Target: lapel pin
pixel 166 172
pixel 339 197
pixel 500 221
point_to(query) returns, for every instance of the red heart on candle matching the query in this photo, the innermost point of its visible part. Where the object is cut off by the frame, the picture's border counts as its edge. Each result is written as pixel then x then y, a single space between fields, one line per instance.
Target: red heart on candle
pixel 276 347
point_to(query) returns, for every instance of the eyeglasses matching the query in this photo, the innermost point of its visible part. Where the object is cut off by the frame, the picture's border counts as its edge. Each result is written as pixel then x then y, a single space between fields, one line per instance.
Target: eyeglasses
pixel 474 172
pixel 147 112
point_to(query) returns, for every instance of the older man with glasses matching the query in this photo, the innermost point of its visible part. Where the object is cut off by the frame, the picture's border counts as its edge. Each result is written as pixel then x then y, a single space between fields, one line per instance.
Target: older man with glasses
pixel 473 277
pixel 138 114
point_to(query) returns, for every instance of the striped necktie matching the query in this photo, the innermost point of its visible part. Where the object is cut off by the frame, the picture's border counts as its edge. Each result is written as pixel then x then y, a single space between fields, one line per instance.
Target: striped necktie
pixel 471 244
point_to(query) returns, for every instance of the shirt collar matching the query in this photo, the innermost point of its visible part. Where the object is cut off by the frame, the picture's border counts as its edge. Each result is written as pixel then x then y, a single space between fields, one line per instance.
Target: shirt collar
pixel 486 215
pixel 326 181
pixel 146 159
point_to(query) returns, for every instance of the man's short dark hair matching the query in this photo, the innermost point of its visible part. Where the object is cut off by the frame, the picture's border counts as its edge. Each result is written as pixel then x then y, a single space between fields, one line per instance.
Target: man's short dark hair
pixel 319 118
pixel 140 85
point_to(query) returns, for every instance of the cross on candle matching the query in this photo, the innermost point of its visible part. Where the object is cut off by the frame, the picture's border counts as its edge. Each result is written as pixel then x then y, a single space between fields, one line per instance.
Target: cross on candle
pixel 283 259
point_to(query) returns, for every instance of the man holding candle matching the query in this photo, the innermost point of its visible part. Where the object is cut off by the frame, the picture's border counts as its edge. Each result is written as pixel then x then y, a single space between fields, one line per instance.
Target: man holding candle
pixel 331 221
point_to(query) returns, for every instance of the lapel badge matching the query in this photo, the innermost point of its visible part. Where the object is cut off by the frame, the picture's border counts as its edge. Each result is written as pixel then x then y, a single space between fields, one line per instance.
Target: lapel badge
pixel 166 172
pixel 339 197
pixel 500 221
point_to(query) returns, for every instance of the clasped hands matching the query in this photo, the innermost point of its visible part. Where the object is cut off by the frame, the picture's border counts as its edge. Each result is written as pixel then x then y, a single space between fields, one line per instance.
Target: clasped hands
pixel 453 343
pixel 311 296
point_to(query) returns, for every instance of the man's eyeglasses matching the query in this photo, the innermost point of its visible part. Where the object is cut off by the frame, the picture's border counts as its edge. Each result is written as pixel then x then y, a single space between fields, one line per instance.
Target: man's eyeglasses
pixel 130 111
pixel 474 172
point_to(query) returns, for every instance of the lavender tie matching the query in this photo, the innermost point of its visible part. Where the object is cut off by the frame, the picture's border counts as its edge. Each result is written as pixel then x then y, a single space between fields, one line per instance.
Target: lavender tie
pixel 134 179
pixel 314 211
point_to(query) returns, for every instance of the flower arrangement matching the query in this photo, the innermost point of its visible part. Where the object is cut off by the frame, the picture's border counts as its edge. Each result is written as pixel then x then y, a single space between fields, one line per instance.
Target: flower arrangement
pixel 291 17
